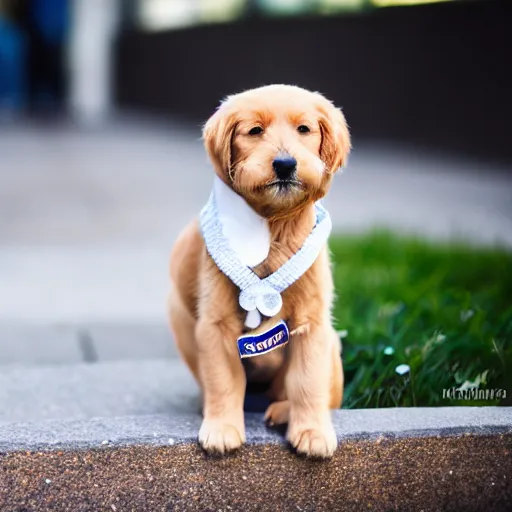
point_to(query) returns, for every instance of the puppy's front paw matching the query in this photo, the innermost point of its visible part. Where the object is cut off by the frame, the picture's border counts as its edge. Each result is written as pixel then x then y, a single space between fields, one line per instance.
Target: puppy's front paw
pixel 220 437
pixel 317 442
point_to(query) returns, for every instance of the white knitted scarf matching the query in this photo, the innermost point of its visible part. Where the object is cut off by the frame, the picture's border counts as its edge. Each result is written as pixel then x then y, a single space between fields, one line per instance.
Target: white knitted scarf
pixel 237 238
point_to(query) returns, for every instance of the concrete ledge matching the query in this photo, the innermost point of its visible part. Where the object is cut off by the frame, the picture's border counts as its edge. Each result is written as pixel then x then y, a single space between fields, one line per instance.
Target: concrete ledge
pixel 158 429
pixel 388 459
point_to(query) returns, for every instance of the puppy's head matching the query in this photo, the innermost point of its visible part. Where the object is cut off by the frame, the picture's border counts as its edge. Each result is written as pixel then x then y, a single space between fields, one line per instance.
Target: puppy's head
pixel 277 146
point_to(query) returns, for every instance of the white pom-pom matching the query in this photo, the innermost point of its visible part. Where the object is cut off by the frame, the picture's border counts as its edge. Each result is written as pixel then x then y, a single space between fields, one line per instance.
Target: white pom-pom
pixel 253 319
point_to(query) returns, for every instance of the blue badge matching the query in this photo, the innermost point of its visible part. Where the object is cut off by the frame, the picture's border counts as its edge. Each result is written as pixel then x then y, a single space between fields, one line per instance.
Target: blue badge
pixel 251 345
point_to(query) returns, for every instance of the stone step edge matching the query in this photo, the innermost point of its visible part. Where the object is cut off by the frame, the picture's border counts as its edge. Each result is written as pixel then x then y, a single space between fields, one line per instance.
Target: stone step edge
pixel 163 430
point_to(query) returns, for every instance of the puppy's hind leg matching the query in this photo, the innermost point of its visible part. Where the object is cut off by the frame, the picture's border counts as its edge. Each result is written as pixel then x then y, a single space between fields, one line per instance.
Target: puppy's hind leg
pixel 337 375
pixel 183 329
pixel 278 413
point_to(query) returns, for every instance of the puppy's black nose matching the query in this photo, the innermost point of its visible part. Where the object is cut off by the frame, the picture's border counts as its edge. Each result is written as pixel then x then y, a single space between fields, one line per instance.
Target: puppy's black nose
pixel 284 167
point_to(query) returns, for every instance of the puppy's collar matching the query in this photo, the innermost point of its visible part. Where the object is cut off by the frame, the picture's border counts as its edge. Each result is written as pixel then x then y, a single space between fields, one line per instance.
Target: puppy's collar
pixel 259 295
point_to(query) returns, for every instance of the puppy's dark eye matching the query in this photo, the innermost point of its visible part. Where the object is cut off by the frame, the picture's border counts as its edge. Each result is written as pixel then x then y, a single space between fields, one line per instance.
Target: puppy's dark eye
pixel 303 129
pixel 256 130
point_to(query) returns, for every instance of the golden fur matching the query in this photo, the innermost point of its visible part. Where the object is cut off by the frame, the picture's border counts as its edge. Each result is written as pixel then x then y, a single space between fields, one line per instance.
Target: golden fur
pixel 305 378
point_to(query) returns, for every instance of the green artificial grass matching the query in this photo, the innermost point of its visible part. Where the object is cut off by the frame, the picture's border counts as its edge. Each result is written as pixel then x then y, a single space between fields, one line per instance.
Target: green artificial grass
pixel 445 310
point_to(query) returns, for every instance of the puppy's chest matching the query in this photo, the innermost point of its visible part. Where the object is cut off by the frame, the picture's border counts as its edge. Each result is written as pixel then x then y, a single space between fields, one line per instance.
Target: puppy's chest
pixel 295 298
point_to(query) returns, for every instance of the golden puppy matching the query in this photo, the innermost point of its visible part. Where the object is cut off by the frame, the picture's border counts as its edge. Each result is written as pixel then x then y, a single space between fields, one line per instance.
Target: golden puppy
pixel 305 379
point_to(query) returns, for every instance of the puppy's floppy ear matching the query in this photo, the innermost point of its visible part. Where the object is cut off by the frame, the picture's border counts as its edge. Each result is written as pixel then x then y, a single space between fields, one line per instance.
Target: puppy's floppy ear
pixel 218 133
pixel 335 145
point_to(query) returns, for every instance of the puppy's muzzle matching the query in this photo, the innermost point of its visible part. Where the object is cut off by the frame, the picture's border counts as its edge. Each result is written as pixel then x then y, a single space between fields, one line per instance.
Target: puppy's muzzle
pixel 285 167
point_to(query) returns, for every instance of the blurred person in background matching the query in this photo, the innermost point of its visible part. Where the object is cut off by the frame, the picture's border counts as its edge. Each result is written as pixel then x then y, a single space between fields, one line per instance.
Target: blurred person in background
pixel 46 24
pixel 12 61
pixel 33 37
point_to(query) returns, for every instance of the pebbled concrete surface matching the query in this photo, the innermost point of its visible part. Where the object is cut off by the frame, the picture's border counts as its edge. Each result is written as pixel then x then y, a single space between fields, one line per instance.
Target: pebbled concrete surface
pixel 434 473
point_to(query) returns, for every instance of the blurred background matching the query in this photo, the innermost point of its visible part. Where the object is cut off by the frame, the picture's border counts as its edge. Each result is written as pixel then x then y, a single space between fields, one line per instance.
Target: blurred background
pixel 101 163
